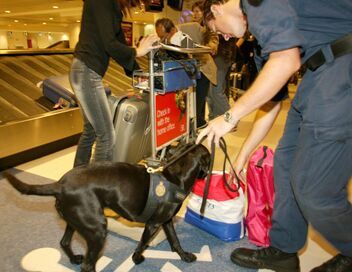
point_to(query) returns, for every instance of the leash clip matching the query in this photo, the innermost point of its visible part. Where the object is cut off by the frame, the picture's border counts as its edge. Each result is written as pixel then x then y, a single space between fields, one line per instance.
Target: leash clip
pixel 152 170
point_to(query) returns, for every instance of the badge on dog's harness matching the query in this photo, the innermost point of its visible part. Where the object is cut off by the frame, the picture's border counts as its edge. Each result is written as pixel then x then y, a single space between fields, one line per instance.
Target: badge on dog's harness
pixel 160 189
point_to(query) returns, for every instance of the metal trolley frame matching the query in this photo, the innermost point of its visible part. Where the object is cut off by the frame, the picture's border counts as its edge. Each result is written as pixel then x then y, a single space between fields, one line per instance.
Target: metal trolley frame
pixel 190 130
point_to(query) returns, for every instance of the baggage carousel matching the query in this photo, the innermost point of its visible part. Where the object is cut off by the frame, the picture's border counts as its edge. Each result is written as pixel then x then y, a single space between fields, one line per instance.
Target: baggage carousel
pixel 30 127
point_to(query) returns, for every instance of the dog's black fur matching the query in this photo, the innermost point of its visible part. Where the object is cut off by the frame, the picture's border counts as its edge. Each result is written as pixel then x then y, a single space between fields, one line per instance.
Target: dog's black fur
pixel 83 193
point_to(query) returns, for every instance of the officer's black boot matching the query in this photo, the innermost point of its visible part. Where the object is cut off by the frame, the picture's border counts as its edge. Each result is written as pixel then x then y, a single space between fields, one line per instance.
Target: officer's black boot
pixel 269 258
pixel 339 263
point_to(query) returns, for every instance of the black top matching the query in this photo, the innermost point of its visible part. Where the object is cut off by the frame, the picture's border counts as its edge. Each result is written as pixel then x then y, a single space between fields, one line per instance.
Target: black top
pixel 101 37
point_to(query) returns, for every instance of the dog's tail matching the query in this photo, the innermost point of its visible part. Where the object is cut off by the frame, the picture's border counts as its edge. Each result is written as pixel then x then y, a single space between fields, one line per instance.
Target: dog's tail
pixel 51 189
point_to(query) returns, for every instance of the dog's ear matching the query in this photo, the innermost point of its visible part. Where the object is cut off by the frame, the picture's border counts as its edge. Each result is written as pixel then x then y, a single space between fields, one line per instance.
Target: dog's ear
pixel 170 152
pixel 175 150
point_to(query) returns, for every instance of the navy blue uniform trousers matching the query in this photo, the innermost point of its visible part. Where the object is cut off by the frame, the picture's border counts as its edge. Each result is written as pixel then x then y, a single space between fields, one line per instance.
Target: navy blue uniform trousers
pixel 313 161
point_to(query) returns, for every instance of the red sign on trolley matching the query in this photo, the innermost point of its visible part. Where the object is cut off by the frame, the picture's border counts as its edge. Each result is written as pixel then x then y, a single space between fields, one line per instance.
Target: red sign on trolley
pixel 170 117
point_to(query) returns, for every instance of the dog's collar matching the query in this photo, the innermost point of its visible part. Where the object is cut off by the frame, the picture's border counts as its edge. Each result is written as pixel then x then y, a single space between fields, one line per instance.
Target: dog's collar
pixel 160 191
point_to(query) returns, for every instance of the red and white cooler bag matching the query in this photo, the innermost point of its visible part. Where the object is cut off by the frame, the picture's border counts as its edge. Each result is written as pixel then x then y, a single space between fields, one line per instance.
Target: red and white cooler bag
pixel 224 210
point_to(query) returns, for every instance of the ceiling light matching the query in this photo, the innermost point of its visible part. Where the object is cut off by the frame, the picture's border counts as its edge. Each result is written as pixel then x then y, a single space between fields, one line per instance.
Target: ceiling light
pixel 24 24
pixel 44 23
pixel 51 18
pixel 55 7
pixel 78 21
pixel 7 11
pixel 16 21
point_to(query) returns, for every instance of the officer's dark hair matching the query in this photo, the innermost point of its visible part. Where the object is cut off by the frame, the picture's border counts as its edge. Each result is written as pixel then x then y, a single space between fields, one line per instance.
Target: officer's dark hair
pixel 208 14
pixel 166 23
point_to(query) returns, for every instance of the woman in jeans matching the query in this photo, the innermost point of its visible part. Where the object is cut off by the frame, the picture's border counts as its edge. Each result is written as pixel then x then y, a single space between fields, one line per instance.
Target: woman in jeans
pixel 101 37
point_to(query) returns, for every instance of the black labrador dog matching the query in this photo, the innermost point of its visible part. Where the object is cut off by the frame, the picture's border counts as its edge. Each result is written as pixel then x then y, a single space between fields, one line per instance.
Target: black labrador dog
pixel 83 193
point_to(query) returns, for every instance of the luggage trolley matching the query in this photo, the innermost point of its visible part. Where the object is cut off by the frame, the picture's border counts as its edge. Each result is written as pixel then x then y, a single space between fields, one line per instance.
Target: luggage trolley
pixel 172 99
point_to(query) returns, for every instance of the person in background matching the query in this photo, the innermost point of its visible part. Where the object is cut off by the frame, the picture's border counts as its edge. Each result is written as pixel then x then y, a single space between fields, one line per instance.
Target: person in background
pixel 208 68
pixel 218 102
pixel 165 29
pixel 312 165
pixel 197 10
pixel 247 47
pixel 101 38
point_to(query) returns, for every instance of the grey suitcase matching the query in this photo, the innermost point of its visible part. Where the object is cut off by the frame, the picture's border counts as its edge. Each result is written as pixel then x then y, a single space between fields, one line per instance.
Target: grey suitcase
pixel 132 128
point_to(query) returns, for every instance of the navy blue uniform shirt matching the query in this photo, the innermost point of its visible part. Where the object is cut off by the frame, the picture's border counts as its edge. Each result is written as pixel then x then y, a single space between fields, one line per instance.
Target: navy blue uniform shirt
pixel 308 24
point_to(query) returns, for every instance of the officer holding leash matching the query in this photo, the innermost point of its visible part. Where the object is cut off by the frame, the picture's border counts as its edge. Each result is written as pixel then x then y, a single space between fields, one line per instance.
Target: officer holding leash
pixel 313 161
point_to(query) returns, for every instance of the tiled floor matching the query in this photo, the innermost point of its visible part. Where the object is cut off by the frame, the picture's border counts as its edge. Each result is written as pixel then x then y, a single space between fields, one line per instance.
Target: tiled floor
pixel 315 252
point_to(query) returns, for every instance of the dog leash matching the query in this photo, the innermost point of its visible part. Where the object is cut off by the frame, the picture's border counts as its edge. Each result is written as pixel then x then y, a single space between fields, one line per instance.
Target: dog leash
pixel 223 147
pixel 173 159
pixel 207 183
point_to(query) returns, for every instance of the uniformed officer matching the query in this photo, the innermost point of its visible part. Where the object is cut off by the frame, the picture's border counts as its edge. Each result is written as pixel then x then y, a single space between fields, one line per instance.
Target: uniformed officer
pixel 313 161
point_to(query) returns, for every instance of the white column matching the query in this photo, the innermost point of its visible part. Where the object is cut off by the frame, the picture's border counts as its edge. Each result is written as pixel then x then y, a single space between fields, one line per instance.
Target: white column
pixel 3 40
pixel 74 34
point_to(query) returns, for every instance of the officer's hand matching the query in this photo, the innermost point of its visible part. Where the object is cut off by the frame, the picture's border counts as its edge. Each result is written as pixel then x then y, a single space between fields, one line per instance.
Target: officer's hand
pixel 239 166
pixel 215 130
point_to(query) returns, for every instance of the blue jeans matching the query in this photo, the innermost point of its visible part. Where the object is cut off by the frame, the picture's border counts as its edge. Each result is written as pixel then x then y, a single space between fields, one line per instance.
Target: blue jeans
pixel 97 119
pixel 217 100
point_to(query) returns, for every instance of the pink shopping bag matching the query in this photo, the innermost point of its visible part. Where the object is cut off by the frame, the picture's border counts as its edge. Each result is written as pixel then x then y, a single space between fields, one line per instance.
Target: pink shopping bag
pixel 260 186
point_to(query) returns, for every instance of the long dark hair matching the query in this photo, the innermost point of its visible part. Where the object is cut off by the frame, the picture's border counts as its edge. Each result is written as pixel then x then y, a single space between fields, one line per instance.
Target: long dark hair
pixel 126 5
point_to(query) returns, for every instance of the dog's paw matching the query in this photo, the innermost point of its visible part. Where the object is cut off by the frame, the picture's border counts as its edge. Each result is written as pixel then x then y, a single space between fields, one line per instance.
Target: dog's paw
pixel 188 257
pixel 77 259
pixel 88 268
pixel 137 258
